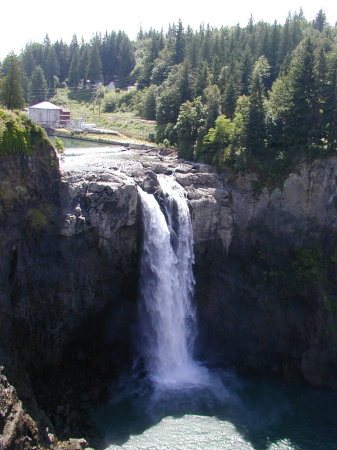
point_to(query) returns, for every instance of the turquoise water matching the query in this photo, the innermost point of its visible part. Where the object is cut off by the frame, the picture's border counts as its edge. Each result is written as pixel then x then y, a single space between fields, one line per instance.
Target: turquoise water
pixel 246 414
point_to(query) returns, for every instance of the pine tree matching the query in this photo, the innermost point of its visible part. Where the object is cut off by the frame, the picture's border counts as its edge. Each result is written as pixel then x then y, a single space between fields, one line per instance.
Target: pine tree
pixel 330 109
pixel 303 121
pixel 74 74
pixel 212 96
pixel 202 79
pixel 149 103
pixel 62 51
pixel 95 65
pixel 83 63
pixel 52 70
pixel 11 88
pixel 320 21
pixel 39 87
pixel 179 48
pixel 28 60
pixel 256 127
pixel 184 84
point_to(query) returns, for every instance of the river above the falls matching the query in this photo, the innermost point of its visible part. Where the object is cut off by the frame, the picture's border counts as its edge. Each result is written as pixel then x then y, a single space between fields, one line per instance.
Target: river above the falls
pixel 80 155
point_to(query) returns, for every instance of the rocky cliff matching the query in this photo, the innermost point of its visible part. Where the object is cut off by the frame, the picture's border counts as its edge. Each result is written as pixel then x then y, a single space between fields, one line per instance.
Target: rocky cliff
pixel 267 299
pixel 266 265
pixel 266 261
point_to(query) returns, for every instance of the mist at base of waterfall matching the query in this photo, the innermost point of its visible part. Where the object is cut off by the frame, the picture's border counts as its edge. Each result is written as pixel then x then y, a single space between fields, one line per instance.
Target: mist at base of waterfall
pixel 235 413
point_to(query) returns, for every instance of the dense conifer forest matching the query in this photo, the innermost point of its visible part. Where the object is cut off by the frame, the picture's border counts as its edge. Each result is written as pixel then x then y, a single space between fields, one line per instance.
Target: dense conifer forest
pixel 259 97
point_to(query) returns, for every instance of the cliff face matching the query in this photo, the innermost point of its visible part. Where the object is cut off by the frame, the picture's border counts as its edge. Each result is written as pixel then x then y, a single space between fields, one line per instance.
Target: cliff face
pixel 267 299
pixel 265 262
pixel 266 271
pixel 68 281
pixel 29 212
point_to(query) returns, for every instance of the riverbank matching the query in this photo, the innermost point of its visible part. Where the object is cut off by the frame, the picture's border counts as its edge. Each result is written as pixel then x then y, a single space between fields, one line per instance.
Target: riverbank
pixel 103 140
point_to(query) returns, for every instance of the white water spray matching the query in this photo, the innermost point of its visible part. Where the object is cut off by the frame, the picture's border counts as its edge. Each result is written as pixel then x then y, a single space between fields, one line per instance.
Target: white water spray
pixel 166 289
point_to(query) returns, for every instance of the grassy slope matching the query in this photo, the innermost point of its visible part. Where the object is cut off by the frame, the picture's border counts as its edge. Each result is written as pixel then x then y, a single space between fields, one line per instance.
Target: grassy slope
pixel 127 124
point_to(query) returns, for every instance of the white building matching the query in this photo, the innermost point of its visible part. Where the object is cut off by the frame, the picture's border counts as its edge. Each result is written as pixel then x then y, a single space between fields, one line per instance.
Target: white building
pixel 49 115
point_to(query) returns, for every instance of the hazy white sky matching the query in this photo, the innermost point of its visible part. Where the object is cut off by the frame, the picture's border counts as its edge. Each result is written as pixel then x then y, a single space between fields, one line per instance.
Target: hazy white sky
pixel 23 21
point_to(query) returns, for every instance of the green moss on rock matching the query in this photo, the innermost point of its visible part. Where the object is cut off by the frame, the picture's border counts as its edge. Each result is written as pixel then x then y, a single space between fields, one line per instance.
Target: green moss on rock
pixel 18 134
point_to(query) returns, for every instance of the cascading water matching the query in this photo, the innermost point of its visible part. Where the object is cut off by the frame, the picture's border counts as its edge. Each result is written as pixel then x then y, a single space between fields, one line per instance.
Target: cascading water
pixel 166 288
pixel 186 405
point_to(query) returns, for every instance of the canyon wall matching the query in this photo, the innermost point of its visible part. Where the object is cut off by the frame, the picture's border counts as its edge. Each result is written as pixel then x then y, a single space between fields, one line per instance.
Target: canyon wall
pixel 266 267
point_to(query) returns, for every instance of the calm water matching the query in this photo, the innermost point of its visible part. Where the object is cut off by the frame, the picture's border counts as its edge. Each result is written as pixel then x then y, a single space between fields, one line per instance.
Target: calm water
pixel 245 414
pixel 78 143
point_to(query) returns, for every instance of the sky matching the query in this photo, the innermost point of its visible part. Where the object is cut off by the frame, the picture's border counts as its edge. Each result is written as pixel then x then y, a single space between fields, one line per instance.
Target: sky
pixel 29 21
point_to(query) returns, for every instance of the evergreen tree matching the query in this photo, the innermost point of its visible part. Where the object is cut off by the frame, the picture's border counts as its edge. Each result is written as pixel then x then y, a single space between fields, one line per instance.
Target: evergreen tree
pixel 303 119
pixel 179 47
pixel 184 84
pixel 11 87
pixel 95 65
pixel 83 63
pixel 52 69
pixel 74 73
pixel 256 127
pixel 39 87
pixel 212 97
pixel 149 103
pixel 330 107
pixel 62 50
pixel 320 21
pixel 28 61
pixel 202 79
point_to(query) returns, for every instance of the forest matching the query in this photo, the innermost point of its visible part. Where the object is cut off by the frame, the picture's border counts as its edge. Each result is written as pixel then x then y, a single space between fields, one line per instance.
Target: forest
pixel 260 97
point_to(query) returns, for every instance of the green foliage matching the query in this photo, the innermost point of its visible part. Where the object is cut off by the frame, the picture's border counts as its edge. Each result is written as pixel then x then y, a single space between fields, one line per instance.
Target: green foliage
pixel 59 145
pixel 149 103
pixel 39 88
pixel 40 215
pixel 121 101
pixel 275 84
pixel 212 98
pixel 38 218
pixel 99 96
pixel 95 65
pixel 217 141
pixel 11 88
pixel 222 142
pixel 74 75
pixel 191 117
pixel 18 135
pixel 306 265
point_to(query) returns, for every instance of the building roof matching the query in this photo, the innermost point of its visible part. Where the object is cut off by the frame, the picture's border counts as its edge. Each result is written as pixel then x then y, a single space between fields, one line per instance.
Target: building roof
pixel 44 105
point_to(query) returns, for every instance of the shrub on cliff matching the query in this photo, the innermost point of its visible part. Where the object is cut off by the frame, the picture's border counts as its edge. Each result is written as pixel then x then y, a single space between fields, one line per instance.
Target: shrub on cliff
pixel 18 135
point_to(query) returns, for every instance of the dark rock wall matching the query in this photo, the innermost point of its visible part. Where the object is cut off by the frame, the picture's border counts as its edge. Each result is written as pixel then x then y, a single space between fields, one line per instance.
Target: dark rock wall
pixel 59 268
pixel 267 300
pixel 266 265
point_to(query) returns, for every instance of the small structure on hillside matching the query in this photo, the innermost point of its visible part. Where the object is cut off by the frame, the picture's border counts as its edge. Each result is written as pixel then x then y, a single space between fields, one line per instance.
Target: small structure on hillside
pixel 49 115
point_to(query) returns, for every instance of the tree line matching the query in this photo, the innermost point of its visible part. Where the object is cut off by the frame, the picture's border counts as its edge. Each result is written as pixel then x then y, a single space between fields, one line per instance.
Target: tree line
pixel 259 96
pixel 41 68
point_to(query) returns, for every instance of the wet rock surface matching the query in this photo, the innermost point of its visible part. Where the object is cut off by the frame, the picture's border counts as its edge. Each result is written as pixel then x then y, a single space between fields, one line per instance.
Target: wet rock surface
pixel 265 279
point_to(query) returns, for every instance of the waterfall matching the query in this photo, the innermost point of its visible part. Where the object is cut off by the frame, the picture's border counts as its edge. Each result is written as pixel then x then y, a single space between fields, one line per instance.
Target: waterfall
pixel 167 313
